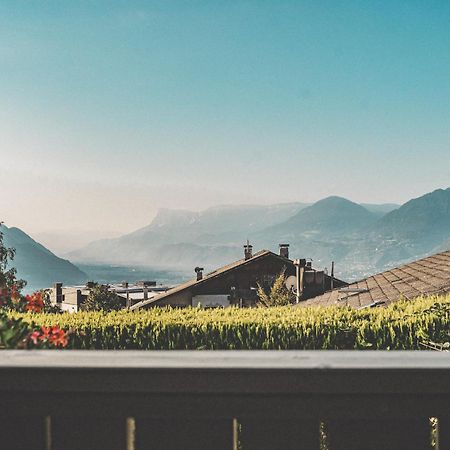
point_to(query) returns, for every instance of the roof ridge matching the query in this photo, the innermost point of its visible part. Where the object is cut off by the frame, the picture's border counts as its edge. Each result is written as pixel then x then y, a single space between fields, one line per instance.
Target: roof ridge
pixel 412 279
pixel 231 266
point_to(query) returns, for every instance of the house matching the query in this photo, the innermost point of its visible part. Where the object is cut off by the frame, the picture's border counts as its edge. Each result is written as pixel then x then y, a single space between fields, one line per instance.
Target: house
pixel 70 298
pixel 237 283
pixel 427 276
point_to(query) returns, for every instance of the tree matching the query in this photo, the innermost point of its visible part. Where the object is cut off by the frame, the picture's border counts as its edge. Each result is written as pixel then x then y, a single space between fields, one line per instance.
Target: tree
pixel 278 295
pixel 10 287
pixel 8 279
pixel 100 298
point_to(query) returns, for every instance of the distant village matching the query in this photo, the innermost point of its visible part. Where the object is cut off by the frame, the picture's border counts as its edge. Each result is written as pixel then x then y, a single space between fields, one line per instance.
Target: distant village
pixel 236 284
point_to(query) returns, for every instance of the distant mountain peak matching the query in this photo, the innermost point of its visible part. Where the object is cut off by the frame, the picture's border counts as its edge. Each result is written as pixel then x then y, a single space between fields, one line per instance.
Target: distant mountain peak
pixel 38 265
pixel 360 238
pixel 336 201
pixel 421 223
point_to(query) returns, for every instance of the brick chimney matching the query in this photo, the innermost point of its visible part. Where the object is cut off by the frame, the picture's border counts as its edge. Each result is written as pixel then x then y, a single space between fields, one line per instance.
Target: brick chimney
pixel 248 251
pixel 199 272
pixel 284 250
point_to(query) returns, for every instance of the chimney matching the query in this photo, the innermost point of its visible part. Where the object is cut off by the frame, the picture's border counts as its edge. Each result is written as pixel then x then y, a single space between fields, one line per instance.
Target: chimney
pixel 332 275
pixel 319 280
pixel 125 286
pixel 199 272
pixel 300 274
pixel 58 292
pixel 248 251
pixel 284 250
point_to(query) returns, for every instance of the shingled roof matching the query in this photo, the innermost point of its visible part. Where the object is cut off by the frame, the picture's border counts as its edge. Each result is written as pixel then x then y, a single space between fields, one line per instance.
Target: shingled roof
pixel 215 274
pixel 209 276
pixel 426 276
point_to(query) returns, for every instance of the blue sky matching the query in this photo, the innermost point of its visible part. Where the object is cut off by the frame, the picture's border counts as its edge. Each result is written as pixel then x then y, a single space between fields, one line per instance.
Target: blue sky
pixel 112 109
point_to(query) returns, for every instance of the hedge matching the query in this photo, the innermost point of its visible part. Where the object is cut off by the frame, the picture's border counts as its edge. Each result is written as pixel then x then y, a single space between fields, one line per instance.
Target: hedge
pixel 401 325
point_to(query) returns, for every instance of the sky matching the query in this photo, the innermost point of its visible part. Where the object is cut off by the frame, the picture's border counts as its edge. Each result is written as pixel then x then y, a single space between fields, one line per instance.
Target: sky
pixel 110 110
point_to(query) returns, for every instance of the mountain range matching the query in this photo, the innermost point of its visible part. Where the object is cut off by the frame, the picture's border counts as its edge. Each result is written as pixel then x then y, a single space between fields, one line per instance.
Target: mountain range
pixel 360 238
pixel 36 264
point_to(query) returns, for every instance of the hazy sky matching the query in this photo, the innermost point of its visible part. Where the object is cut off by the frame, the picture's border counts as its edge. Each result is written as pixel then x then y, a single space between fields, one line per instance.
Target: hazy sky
pixel 110 110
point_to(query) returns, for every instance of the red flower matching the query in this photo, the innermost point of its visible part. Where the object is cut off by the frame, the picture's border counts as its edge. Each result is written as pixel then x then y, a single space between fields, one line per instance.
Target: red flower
pixel 54 336
pixel 35 303
pixel 46 332
pixel 59 337
pixel 34 336
pixel 50 337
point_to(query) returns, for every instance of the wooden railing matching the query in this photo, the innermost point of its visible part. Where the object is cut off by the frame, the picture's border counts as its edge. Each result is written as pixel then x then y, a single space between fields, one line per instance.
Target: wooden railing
pixel 278 400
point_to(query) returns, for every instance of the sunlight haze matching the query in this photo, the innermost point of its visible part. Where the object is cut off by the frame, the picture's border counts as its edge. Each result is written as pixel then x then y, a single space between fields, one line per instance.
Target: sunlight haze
pixel 111 110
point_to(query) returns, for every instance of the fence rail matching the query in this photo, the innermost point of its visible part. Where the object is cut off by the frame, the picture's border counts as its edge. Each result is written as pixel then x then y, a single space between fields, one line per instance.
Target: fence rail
pixel 251 400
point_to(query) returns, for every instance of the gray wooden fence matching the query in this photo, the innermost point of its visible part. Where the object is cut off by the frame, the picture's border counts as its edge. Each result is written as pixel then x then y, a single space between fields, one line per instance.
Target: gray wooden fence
pixel 143 400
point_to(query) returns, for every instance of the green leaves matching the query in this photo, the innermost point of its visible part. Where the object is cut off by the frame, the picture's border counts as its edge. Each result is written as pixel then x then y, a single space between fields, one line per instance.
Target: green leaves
pixel 403 325
pixel 102 299
pixel 278 294
pixel 12 332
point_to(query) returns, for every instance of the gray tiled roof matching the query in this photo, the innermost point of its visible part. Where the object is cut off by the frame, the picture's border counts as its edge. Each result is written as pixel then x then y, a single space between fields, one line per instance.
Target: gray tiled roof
pixel 426 276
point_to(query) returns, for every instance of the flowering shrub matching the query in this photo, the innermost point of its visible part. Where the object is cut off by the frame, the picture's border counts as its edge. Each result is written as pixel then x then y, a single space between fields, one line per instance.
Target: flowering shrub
pixel 11 287
pixel 15 333
pixel 48 337
pixel 37 302
pixel 34 302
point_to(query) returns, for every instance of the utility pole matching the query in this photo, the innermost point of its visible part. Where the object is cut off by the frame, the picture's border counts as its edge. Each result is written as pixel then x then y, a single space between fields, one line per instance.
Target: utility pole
pixel 128 296
pixel 332 275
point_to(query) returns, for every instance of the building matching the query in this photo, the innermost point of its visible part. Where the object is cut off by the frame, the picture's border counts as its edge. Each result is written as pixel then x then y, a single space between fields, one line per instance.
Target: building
pixel 237 283
pixel 70 298
pixel 427 276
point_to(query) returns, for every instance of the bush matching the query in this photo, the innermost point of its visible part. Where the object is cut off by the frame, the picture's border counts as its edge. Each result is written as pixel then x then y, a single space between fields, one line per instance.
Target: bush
pixel 18 333
pixel 278 295
pixel 100 298
pixel 402 325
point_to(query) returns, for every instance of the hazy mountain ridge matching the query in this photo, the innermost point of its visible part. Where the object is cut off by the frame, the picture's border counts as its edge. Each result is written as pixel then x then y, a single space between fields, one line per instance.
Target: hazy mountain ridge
pixel 214 235
pixel 219 220
pixel 418 228
pixel 38 265
pixel 330 216
pixel 380 209
pixel 60 242
pixel 422 222
pixel 360 239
